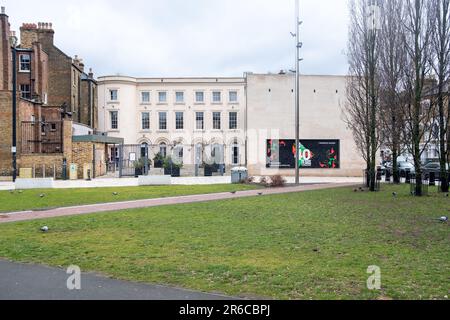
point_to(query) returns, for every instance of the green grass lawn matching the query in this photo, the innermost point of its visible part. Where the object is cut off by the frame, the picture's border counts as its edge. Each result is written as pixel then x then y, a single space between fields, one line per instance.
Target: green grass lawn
pixel 312 245
pixel 30 199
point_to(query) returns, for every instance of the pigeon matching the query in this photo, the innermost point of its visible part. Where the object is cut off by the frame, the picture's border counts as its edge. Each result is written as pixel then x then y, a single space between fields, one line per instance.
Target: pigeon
pixel 233 192
pixel 44 229
pixel 355 190
pixel 260 193
pixel 394 194
pixel 115 194
pixel 20 191
pixel 443 219
pixel 447 195
pixel 42 195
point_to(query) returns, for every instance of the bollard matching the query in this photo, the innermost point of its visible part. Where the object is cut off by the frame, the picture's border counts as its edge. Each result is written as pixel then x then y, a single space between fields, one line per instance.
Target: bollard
pixel 388 176
pixel 432 178
pixel 64 169
pixel 408 177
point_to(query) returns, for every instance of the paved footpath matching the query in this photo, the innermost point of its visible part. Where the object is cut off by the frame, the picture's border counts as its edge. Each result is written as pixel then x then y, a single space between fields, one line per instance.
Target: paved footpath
pixel 33 282
pixel 117 206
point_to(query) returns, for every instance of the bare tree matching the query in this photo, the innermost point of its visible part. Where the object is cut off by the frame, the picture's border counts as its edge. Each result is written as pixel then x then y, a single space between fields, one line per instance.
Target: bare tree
pixel 361 111
pixel 392 60
pixel 441 67
pixel 418 115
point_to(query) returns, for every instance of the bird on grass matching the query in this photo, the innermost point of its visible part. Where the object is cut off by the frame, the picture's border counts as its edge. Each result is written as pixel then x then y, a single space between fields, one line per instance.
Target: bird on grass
pixel 233 192
pixel 42 195
pixel 447 195
pixel 44 229
pixel 443 219
pixel 20 191
pixel 115 194
pixel 394 194
pixel 355 190
pixel 260 193
pixel 11 191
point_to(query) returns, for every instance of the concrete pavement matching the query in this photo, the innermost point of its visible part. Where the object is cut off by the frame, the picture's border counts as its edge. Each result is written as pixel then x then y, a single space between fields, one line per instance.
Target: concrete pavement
pixel 32 282
pixel 135 204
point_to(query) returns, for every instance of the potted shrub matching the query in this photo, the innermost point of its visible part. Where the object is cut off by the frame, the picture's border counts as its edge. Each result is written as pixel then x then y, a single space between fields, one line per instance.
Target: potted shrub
pixel 139 167
pixel 209 169
pixel 158 161
pixel 171 168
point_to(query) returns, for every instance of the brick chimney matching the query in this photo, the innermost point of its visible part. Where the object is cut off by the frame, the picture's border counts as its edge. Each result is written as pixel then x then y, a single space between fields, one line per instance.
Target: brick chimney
pixel 78 62
pixel 91 74
pixel 42 32
pixel 5 52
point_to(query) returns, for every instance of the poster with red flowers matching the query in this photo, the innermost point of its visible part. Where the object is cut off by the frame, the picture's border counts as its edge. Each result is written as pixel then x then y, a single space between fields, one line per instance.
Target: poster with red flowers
pixel 314 154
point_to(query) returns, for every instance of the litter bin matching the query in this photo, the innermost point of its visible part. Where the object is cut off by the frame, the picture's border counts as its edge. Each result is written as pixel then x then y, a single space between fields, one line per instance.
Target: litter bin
pixel 239 174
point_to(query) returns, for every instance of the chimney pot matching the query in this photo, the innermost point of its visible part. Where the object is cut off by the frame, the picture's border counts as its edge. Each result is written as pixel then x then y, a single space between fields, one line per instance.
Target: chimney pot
pixel 3 10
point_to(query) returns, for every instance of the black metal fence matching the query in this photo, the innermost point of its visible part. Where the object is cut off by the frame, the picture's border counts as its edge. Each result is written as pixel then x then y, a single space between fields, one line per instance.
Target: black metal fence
pixel 42 137
pixel 134 160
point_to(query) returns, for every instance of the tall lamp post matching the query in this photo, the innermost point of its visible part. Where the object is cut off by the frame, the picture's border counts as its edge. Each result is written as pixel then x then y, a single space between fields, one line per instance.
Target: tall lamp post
pixel 298 46
pixel 14 112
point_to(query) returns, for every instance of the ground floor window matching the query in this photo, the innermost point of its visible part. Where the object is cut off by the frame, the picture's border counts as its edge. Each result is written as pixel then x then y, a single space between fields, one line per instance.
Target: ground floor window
pixel 144 150
pixel 235 154
pixel 163 149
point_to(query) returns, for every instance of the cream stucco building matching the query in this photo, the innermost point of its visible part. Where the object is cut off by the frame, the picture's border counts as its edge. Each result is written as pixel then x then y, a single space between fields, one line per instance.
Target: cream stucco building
pixel 196 119
pixel 246 121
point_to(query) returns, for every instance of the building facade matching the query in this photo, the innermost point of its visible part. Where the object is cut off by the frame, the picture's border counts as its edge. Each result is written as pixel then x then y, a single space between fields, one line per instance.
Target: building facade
pixel 69 86
pixel 248 121
pixel 198 120
pixel 327 146
pixel 52 92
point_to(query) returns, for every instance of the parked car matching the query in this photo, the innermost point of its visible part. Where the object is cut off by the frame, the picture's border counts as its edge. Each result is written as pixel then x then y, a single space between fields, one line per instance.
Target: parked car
pixel 433 167
pixel 402 167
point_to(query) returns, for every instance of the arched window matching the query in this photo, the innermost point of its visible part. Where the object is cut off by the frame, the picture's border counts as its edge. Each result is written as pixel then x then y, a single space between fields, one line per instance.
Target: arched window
pixel 235 154
pixel 144 150
pixel 163 149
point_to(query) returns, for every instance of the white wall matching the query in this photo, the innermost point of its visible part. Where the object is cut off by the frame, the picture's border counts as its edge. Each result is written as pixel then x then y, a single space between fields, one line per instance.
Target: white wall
pixel 271 110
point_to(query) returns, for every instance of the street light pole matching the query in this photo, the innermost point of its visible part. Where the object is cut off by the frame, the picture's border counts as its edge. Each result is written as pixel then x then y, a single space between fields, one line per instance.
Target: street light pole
pixel 14 113
pixel 298 45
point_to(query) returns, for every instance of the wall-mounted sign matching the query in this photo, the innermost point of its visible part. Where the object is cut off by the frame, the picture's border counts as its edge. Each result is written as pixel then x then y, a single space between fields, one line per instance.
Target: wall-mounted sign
pixel 314 154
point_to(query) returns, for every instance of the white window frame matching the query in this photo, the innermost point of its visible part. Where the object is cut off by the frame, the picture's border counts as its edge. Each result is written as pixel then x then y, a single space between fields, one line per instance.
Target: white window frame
pixel 111 120
pixel 203 96
pixel 142 121
pixel 177 122
pixel 149 97
pixel 229 96
pixel 202 121
pixel 220 96
pixel 26 63
pixel 110 95
pixel 236 122
pixel 22 92
pixel 214 121
pixel 159 97
pixel 166 121
pixel 182 95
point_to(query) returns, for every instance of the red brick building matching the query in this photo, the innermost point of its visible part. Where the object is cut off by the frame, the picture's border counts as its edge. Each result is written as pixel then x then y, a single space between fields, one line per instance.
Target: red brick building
pixel 53 91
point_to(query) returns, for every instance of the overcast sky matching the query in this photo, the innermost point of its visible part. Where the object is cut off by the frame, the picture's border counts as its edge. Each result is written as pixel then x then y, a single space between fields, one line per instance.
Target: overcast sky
pixel 157 38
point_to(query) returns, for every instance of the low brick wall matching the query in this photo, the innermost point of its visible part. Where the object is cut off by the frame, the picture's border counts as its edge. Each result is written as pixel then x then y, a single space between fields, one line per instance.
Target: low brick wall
pixel 44 165
pixel 85 153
